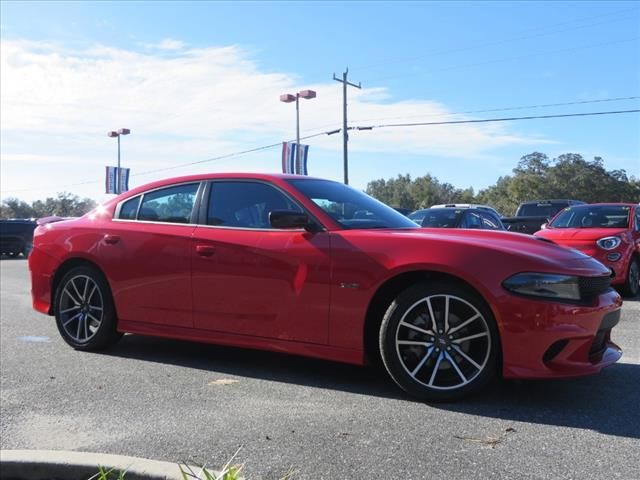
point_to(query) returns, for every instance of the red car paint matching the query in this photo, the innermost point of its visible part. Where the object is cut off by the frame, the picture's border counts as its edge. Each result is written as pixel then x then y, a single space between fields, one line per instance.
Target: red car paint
pixel 584 239
pixel 308 293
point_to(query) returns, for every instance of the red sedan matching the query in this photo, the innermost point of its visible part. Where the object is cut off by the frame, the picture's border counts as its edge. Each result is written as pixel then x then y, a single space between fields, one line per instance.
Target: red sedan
pixel 608 232
pixel 313 267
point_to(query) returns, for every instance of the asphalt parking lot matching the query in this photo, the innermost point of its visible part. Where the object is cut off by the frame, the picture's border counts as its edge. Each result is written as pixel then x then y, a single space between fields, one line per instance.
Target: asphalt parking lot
pixel 179 401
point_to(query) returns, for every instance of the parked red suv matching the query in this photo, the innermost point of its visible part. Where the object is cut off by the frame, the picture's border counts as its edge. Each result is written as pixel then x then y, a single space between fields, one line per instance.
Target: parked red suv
pixel 609 232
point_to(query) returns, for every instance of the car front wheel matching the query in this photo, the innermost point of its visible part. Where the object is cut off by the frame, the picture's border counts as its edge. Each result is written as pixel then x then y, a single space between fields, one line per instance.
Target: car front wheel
pixel 84 310
pixel 439 342
pixel 631 286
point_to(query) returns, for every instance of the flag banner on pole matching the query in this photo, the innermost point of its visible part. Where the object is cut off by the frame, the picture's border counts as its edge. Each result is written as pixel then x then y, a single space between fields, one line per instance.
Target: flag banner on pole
pixel 289 163
pixel 112 180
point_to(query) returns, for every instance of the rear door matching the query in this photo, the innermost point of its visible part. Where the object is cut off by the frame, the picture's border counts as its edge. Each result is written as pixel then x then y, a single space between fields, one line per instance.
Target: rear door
pixel 252 279
pixel 147 252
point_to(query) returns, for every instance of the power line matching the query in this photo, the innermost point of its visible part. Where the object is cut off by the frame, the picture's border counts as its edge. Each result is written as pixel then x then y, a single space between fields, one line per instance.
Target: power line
pixel 506 40
pixel 502 109
pixel 488 120
pixel 519 57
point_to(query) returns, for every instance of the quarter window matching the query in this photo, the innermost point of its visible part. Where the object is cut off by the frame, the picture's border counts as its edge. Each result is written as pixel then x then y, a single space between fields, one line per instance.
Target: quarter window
pixel 173 204
pixel 245 204
pixel 129 209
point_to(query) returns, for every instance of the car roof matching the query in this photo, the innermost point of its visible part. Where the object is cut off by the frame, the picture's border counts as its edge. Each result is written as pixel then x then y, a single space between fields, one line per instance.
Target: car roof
pixel 464 205
pixel 609 204
pixel 554 200
pixel 212 176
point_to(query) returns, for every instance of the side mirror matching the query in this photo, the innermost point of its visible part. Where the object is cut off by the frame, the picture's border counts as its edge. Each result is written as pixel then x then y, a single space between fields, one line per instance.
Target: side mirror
pixel 543 226
pixel 288 219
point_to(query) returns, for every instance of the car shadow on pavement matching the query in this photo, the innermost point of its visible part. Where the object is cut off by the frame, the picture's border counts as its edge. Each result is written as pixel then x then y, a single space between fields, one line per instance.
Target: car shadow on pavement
pixel 606 403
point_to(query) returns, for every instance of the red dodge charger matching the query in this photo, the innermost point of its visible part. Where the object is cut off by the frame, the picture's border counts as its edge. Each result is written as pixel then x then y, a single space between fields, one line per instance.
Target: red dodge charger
pixel 313 267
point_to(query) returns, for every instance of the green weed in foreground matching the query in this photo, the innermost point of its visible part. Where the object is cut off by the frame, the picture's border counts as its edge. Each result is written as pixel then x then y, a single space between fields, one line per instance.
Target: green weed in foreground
pixel 110 474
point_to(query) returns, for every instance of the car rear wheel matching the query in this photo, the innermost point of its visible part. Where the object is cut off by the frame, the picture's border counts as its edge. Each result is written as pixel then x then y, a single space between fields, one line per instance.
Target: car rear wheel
pixel 439 342
pixel 84 310
pixel 631 286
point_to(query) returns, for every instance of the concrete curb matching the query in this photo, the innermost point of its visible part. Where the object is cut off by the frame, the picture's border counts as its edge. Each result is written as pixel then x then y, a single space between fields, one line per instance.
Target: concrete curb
pixel 61 465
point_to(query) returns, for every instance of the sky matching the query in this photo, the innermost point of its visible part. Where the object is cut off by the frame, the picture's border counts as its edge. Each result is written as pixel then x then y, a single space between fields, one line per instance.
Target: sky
pixel 197 83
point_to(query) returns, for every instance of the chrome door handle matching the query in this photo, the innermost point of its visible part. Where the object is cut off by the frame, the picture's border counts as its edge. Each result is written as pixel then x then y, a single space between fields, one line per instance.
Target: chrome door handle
pixel 111 239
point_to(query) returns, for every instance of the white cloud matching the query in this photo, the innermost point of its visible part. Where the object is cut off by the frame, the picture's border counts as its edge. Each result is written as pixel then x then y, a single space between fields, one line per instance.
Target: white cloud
pixel 186 104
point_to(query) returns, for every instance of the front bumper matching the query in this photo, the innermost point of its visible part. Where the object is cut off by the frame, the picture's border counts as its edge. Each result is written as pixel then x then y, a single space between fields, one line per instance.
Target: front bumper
pixel 543 339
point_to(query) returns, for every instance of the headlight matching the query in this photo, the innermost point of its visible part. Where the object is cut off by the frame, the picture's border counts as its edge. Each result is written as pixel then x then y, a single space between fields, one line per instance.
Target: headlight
pixel 547 285
pixel 608 243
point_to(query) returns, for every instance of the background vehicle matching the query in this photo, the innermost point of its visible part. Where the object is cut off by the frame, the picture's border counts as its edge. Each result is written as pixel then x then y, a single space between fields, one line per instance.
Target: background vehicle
pixel 403 211
pixel 451 216
pixel 314 267
pixel 530 216
pixel 16 236
pixel 609 232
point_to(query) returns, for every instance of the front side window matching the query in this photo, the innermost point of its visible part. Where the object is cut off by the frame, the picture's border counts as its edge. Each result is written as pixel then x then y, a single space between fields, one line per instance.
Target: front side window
pixel 638 219
pixel 244 204
pixel 172 204
pixel 593 216
pixel 349 207
pixel 471 220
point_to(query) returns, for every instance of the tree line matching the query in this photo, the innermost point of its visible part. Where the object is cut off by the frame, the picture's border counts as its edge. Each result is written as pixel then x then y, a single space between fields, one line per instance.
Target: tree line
pixel 536 177
pixel 63 205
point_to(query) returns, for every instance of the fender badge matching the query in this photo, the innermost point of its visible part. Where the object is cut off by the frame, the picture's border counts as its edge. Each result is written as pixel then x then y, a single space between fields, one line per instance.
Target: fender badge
pixel 349 285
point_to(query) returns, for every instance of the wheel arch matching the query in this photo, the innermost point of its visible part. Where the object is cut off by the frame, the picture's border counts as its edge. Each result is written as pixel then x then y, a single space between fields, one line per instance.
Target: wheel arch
pixel 390 289
pixel 66 266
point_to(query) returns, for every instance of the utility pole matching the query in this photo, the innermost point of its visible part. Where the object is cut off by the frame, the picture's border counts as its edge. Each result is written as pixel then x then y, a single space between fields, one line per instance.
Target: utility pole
pixel 345 132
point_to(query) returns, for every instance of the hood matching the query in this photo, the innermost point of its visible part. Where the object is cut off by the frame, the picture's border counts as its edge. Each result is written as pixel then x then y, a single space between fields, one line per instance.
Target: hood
pixel 579 234
pixel 537 253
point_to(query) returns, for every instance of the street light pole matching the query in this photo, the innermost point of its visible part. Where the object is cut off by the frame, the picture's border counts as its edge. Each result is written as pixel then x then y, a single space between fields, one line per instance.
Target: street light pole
pixel 297 128
pixel 118 134
pixel 289 98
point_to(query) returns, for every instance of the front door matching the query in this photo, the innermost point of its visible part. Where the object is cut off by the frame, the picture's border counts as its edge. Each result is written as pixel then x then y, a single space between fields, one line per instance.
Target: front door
pixel 251 279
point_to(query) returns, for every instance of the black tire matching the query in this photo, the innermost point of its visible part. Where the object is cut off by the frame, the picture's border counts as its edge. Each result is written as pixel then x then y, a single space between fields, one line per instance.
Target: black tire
pixel 84 311
pixel 448 353
pixel 631 287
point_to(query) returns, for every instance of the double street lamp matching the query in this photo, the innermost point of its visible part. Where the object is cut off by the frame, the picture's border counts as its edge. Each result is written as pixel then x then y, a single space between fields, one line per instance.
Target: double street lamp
pixel 289 98
pixel 117 134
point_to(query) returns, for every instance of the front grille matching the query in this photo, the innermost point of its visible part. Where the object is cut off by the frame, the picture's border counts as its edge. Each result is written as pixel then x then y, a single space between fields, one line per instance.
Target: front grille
pixel 593 286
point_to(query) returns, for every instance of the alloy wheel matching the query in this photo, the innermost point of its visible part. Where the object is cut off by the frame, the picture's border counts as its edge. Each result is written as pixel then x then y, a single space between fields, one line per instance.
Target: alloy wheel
pixel 81 308
pixel 443 342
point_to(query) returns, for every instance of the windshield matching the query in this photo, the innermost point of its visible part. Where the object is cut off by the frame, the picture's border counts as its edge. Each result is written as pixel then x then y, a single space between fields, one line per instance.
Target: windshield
pixel 349 207
pixel 540 210
pixel 593 216
pixel 441 217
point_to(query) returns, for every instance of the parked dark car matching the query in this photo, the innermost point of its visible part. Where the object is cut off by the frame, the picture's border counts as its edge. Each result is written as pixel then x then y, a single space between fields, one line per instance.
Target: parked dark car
pixel 16 236
pixel 530 216
pixel 472 216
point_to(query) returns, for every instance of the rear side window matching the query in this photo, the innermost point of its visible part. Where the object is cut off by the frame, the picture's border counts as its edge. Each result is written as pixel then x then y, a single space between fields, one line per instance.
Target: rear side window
pixel 129 209
pixel 172 204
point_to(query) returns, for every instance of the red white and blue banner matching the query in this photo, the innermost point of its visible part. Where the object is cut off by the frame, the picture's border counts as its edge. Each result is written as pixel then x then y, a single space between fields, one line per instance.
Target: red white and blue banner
pixel 289 158
pixel 111 181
